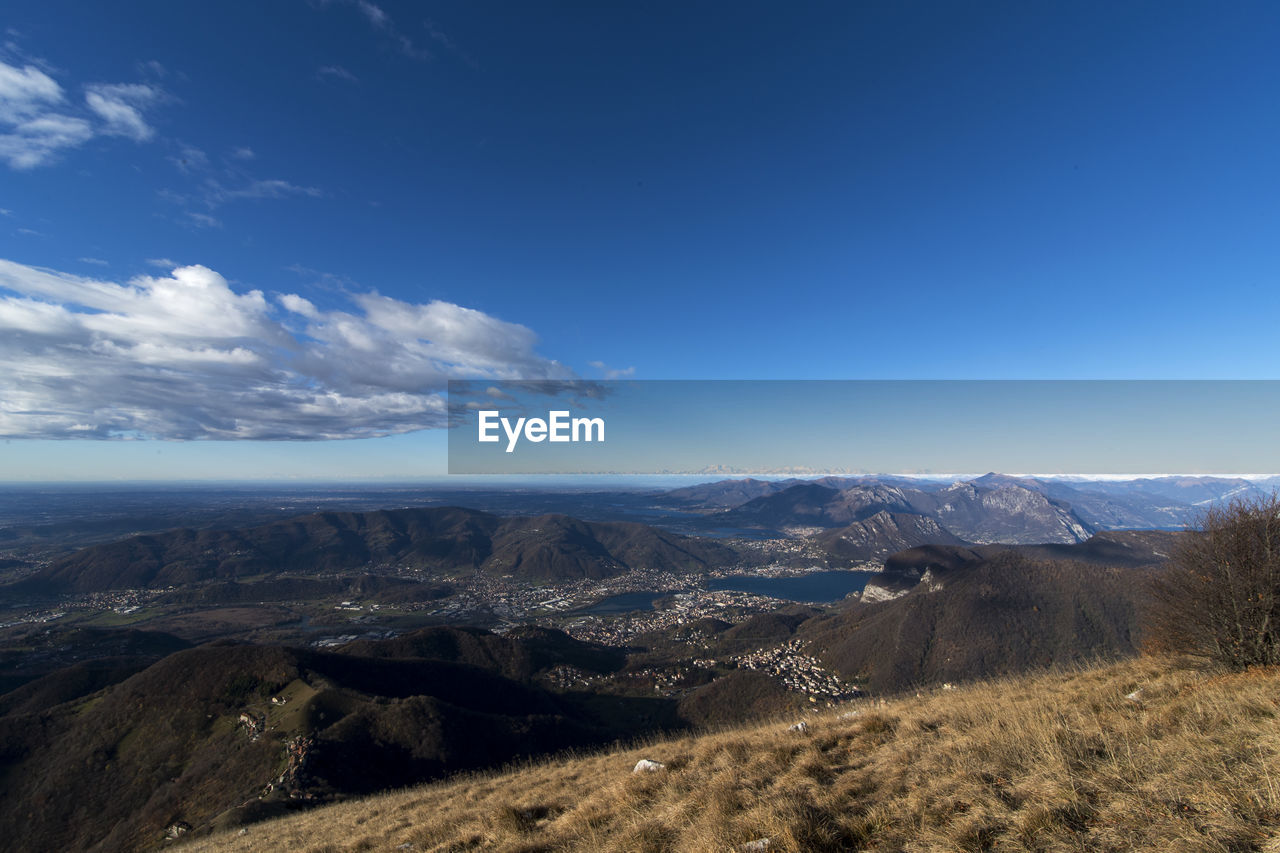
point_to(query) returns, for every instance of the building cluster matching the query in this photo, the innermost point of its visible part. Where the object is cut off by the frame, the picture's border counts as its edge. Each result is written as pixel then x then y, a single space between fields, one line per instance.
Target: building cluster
pixel 334 642
pixel 783 552
pixel 517 600
pixel 666 680
pixel 35 617
pixel 798 671
pixel 566 677
pixel 254 724
pixel 796 567
pixel 293 778
pixel 683 608
pixel 121 601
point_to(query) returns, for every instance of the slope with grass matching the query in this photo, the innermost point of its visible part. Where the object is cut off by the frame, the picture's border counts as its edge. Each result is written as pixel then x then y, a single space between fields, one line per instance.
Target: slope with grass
pixel 1139 755
pixel 227 733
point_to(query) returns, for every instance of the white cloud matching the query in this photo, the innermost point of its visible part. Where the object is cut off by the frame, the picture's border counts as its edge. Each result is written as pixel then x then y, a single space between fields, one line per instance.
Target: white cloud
pixel 98 262
pixel 381 21
pixel 214 187
pixel 120 107
pixel 37 141
pixel 443 39
pixel 184 356
pixel 26 92
pixel 218 194
pixel 376 16
pixel 337 72
pixel 299 305
pixel 153 68
pixel 203 220
pixel 612 372
pixel 190 159
pixel 37 122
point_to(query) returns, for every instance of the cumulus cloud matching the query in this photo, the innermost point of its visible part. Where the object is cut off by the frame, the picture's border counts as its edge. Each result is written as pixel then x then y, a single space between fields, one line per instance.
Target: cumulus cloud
pixel 299 305
pixel 37 121
pixel 185 356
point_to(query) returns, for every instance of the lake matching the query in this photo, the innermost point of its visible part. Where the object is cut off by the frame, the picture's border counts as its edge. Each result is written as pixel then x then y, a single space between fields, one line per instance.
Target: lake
pixel 814 588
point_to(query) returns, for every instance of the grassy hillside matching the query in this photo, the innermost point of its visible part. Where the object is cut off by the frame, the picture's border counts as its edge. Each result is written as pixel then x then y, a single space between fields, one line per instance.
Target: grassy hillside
pixel 225 733
pixel 1059 761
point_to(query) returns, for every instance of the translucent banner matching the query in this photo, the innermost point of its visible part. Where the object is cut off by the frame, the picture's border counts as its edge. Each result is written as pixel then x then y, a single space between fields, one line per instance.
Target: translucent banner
pixel 804 428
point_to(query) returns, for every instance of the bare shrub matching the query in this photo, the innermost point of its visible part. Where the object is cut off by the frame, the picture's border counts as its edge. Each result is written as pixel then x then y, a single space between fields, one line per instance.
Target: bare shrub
pixel 1219 597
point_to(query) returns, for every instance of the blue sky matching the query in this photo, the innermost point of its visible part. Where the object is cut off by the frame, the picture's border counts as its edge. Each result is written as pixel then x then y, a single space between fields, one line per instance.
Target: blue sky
pixel 229 227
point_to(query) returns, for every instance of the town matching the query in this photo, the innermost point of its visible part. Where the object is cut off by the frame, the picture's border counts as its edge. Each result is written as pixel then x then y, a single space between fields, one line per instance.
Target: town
pixel 625 611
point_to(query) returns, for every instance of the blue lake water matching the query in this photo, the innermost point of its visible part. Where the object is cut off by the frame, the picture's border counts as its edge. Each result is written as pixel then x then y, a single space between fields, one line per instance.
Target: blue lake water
pixel 815 588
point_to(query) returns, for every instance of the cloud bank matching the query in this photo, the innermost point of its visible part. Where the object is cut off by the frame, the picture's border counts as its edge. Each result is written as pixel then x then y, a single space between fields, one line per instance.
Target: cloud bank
pixel 184 356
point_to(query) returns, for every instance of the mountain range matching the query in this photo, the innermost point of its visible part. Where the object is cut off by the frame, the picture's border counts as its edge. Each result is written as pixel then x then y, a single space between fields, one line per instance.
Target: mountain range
pixel 143 736
pixel 964 511
pixel 990 508
pixel 443 541
pixel 842 522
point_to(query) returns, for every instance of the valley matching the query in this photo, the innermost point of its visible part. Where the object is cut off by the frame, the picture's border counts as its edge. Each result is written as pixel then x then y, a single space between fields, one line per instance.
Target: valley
pixel 288 662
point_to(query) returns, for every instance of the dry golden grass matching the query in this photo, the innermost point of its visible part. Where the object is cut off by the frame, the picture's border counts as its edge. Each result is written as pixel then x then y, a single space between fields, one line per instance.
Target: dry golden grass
pixel 1052 762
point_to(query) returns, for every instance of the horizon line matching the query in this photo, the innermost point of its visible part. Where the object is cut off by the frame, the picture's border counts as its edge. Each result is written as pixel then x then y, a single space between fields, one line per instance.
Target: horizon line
pixel 459 479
